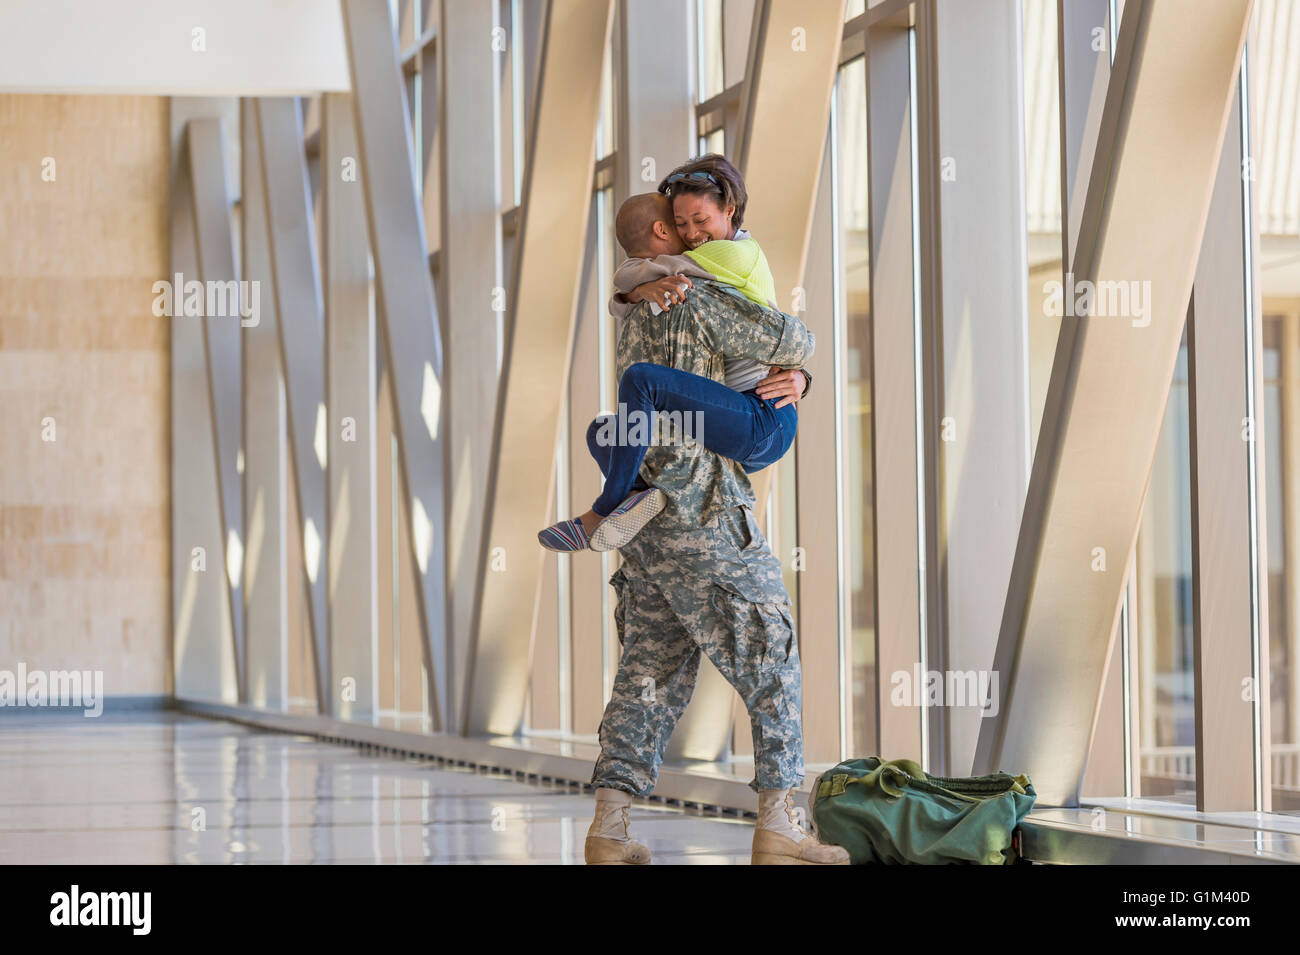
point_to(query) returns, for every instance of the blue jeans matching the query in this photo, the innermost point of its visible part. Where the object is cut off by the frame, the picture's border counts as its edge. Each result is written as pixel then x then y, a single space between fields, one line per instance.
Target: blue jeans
pixel 740 426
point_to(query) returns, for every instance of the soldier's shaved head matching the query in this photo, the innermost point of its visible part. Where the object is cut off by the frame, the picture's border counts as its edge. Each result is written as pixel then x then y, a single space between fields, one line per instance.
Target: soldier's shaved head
pixel 634 224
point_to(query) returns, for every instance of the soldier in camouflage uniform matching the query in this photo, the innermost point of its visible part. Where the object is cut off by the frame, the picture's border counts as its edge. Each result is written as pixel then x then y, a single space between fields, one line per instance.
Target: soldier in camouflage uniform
pixel 701 577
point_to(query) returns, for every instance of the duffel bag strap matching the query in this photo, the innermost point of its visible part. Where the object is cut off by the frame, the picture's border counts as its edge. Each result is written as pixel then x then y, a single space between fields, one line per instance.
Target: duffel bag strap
pixel 892 776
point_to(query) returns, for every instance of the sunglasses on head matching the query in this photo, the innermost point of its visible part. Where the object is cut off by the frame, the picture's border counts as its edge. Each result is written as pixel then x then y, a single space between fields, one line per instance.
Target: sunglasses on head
pixel 698 176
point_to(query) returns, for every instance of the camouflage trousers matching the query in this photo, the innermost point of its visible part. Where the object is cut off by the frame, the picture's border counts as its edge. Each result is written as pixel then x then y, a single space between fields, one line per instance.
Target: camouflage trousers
pixel 715 589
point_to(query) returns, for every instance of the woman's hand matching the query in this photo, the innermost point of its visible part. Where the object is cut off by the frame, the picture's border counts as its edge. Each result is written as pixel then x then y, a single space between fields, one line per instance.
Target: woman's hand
pixel 787 385
pixel 665 292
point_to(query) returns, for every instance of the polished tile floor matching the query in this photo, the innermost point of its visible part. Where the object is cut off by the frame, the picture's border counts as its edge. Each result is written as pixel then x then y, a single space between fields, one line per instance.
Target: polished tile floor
pixel 158 787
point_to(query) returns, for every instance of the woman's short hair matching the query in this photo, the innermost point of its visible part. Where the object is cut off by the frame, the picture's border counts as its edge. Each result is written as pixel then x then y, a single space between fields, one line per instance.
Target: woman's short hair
pixel 711 175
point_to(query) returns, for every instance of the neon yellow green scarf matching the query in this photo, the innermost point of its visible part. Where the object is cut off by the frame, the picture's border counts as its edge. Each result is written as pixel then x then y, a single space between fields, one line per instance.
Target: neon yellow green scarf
pixel 740 263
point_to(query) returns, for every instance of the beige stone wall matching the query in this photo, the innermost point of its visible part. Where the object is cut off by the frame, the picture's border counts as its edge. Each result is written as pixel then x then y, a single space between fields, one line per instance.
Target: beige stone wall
pixel 84 518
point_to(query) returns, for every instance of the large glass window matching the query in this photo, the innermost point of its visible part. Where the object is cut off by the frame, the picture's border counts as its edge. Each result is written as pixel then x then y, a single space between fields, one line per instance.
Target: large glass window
pixel 1274 176
pixel 1042 195
pixel 855 269
pixel 1166 709
pixel 605 129
pixel 1279 388
pixel 714 142
pixel 708 24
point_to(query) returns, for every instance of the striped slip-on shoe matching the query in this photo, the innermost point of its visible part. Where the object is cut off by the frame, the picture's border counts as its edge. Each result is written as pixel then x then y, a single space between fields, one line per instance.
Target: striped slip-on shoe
pixel 626 520
pixel 564 536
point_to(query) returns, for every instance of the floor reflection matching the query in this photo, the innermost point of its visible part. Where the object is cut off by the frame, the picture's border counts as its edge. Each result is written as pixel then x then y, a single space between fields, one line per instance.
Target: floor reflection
pixel 164 787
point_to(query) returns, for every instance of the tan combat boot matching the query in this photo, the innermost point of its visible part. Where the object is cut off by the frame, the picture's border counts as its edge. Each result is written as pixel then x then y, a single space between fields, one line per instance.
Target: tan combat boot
pixel 778 841
pixel 607 839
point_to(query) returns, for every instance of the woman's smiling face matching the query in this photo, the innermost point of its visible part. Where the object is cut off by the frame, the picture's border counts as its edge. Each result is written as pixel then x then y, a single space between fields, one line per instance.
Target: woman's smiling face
pixel 699 218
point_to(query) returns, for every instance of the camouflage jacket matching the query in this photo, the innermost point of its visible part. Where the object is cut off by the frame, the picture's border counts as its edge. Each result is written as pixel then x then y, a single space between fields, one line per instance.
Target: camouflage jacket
pixel 714 321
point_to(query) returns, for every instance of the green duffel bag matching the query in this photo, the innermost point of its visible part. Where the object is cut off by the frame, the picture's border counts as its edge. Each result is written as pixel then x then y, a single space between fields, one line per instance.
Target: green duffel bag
pixel 894 813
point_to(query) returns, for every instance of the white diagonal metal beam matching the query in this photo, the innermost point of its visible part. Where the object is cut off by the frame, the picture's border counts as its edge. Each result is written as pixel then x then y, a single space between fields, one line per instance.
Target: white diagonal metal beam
pixel 216 261
pixel 266 579
pixel 1084 50
pixel 300 328
pixel 204 646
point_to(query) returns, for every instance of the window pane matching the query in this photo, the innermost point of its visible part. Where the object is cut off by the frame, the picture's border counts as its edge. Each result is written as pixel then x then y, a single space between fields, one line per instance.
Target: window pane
pixel 855 262
pixel 605 133
pixel 709 39
pixel 1274 176
pixel 1166 710
pixel 1042 195
pixel 1281 651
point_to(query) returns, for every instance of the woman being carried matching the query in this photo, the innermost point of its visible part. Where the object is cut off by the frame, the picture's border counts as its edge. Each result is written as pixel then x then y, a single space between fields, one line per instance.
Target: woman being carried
pixel 691 227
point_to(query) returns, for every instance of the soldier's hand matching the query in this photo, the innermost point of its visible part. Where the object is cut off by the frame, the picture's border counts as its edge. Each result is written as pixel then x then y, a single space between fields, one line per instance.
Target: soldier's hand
pixel 786 385
pixel 665 292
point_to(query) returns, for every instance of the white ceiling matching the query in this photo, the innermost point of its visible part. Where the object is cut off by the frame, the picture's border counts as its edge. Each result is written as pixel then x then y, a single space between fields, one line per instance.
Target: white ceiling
pixel 249 47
